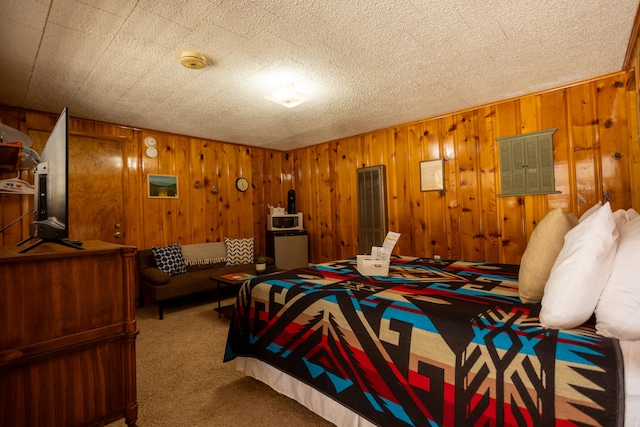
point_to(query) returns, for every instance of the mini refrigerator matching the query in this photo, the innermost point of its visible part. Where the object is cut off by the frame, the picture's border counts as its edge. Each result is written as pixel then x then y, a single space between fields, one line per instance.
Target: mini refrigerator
pixel 289 249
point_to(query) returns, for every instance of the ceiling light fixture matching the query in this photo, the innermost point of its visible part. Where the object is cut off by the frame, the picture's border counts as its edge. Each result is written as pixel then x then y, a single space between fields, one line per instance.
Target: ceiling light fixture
pixel 193 60
pixel 287 96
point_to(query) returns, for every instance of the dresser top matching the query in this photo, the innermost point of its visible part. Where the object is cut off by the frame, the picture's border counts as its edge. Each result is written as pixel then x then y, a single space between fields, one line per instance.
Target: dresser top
pixel 54 250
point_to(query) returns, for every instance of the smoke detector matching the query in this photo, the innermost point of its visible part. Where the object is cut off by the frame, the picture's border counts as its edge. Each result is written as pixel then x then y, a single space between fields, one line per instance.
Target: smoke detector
pixel 193 60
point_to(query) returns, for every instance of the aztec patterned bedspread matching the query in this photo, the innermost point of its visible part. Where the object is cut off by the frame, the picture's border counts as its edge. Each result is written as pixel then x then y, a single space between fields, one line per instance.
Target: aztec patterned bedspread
pixel 438 342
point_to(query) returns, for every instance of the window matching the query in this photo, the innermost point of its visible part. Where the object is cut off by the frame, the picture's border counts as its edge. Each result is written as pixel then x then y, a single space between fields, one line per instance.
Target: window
pixel 526 164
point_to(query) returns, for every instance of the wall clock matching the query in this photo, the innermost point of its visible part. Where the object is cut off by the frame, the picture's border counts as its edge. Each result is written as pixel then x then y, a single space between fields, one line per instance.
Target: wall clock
pixel 242 184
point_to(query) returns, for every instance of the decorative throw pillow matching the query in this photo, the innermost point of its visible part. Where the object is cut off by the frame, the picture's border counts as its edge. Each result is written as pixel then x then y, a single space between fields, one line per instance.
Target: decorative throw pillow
pixel 239 251
pixel 542 250
pixel 618 310
pixel 204 253
pixel 169 259
pixel 580 271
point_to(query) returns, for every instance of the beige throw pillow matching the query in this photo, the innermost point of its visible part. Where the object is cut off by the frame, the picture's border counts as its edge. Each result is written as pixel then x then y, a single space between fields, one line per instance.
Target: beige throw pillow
pixel 542 250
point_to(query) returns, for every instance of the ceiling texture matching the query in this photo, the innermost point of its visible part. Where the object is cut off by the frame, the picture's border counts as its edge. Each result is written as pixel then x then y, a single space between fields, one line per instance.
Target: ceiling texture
pixel 365 65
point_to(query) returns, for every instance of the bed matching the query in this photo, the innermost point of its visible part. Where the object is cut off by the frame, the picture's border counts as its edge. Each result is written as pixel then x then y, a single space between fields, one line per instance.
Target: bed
pixel 436 342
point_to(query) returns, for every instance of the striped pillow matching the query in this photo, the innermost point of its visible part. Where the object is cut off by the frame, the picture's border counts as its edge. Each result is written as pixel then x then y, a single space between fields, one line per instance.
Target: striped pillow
pixel 239 251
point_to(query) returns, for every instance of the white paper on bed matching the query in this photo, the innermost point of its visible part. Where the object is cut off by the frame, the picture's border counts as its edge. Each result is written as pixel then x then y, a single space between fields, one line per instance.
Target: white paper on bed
pixel 384 252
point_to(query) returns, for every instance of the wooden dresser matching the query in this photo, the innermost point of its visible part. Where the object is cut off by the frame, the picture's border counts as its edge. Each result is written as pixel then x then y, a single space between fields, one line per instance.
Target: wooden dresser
pixel 67 335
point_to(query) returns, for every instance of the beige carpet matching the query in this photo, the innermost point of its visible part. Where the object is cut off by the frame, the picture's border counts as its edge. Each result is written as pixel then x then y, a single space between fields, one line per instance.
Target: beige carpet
pixel 183 382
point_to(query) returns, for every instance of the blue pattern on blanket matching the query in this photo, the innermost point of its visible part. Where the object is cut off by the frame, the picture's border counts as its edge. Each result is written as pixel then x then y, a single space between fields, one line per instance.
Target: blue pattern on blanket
pixel 442 343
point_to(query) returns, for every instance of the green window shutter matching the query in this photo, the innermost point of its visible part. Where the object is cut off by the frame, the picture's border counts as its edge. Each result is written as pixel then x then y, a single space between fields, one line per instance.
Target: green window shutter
pixel 519 169
pixel 526 164
pixel 547 178
pixel 506 168
pixel 532 165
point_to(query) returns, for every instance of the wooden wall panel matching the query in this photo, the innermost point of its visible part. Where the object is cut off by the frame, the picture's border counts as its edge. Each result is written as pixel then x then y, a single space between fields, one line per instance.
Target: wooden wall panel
pixel 596 150
pixel 613 130
pixel 530 121
pixel 304 166
pixel 488 161
pixel 467 138
pixel 199 189
pixel 196 215
pixel 511 212
pixel 323 201
pixel 553 114
pixel 385 149
pixel 435 209
pixel 401 180
pixel 469 219
pixel 132 184
pixel 346 231
pixel 258 209
pixel 583 143
pixel 634 148
pixel 451 225
pixel 417 206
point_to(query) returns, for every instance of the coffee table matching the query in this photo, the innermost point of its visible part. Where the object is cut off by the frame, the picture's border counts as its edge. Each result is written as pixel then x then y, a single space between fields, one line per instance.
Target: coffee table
pixel 235 280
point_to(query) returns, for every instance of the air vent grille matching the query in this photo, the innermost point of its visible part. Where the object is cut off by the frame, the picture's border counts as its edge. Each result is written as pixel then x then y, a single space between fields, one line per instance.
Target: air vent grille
pixel 372 207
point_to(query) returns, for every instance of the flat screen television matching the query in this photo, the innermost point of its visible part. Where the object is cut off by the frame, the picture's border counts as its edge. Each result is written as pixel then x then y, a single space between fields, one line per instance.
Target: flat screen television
pixel 51 198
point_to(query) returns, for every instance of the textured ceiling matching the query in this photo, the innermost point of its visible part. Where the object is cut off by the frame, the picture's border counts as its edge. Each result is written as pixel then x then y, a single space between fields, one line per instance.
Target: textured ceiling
pixel 368 64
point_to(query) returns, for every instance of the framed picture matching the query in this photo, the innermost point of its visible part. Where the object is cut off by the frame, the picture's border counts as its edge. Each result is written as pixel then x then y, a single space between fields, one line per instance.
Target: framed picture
pixel 163 186
pixel 432 175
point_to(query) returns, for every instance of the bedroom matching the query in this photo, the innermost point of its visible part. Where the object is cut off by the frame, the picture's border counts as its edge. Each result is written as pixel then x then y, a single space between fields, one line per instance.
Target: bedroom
pixel 596 152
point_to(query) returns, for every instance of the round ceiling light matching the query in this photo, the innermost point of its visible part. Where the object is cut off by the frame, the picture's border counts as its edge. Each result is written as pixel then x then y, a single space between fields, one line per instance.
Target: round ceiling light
pixel 193 60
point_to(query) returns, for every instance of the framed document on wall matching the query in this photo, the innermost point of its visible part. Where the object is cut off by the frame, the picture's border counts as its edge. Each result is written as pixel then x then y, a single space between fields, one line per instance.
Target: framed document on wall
pixel 432 175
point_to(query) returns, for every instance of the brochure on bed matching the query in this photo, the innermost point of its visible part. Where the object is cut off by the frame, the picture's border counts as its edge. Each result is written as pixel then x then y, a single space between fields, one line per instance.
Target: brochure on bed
pixel 435 343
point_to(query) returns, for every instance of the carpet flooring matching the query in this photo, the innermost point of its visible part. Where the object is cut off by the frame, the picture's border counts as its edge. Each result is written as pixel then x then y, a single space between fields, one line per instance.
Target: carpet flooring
pixel 182 381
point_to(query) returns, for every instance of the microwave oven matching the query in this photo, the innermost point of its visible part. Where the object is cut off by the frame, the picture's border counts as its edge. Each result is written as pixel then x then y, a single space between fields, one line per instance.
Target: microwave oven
pixel 285 222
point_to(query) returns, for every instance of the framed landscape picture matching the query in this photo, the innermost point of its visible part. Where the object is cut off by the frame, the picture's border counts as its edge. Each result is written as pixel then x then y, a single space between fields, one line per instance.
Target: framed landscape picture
pixel 163 186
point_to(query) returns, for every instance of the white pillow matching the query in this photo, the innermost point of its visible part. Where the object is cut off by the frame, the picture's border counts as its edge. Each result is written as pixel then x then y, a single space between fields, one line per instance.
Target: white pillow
pixel 620 216
pixel 590 211
pixel 618 311
pixel 580 271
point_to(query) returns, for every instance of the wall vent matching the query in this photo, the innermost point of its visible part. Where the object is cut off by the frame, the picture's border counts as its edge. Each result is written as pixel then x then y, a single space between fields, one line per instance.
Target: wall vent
pixel 372 207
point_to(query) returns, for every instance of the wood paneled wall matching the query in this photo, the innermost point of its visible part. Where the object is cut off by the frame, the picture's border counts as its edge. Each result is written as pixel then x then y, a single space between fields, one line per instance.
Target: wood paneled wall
pixel 197 215
pixel 596 151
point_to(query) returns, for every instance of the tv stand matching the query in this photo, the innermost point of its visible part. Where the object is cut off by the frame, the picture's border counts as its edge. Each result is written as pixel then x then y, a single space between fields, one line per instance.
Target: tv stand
pixel 62 242
pixel 67 357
